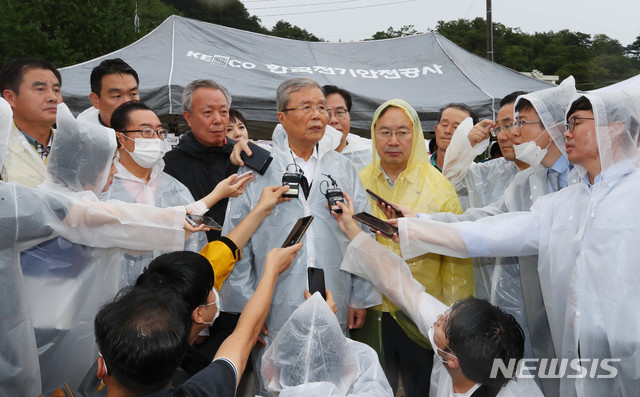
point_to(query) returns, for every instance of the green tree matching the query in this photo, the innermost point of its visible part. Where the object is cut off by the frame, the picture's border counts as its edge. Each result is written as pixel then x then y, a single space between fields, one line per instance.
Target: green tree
pixel 67 32
pixel 633 49
pixel 405 30
pixel 231 13
pixel 594 61
pixel 285 29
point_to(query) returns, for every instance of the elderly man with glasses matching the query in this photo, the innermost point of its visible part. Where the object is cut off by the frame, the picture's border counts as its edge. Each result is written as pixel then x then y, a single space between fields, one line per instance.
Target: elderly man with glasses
pixel 300 150
pixel 140 178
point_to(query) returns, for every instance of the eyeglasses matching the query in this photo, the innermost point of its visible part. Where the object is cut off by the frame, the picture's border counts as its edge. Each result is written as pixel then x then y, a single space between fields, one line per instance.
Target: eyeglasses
pixel 148 132
pixel 339 113
pixel 521 123
pixel 386 134
pixel 322 109
pixel 569 127
pixel 496 130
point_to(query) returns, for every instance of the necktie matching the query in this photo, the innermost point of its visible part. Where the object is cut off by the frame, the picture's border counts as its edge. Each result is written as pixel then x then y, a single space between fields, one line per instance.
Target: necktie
pixel 554 179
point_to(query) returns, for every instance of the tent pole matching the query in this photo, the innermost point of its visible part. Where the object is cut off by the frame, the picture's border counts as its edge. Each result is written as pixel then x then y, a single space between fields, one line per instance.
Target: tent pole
pixel 489 32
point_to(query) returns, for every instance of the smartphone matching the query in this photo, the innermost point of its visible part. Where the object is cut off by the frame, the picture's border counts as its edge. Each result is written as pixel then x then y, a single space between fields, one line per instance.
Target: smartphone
pixel 259 159
pixel 197 220
pixel 385 202
pixel 376 223
pixel 250 180
pixel 315 277
pixel 298 231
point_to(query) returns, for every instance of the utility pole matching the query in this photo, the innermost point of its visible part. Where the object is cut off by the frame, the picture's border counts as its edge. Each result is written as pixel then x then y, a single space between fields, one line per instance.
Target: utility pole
pixel 489 32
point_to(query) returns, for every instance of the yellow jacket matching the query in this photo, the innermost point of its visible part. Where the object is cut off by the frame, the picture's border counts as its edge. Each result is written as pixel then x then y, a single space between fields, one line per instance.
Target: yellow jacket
pixel 223 255
pixel 421 188
pixel 23 164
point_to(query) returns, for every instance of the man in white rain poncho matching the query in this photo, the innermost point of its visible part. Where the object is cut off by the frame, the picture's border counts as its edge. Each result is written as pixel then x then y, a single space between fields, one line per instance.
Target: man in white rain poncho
pixel 302 112
pixel 467 338
pixel 354 147
pixel 140 178
pixel 586 238
pixel 65 283
pixel 480 184
pixel 312 357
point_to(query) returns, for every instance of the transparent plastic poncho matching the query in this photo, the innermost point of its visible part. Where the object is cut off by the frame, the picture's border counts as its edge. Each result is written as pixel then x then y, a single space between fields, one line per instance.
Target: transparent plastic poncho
pixel 67 279
pixel 163 191
pixel 586 237
pixel 311 356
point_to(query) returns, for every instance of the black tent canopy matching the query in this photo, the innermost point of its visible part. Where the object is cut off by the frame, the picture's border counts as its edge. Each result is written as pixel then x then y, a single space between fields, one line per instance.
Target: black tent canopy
pixel 426 70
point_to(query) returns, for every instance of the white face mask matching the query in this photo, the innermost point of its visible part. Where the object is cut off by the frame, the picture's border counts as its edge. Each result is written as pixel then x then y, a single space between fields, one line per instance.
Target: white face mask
pixel 147 151
pixel 430 334
pixel 209 323
pixel 531 153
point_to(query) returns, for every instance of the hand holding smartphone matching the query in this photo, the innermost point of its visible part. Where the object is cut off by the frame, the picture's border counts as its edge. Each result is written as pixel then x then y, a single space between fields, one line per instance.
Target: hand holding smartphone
pixel 259 159
pixel 298 231
pixel 376 223
pixel 197 220
pixel 245 179
pixel 315 278
pixel 385 202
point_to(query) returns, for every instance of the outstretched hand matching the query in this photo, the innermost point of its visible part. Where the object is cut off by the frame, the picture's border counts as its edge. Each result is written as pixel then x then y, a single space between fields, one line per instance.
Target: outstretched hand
pixel 330 301
pixel 345 220
pixel 272 195
pixel 279 259
pixel 394 237
pixel 390 213
pixel 232 186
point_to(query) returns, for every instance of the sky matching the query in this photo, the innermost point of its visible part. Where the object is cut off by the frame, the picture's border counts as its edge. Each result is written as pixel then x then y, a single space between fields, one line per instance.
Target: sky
pixel 354 20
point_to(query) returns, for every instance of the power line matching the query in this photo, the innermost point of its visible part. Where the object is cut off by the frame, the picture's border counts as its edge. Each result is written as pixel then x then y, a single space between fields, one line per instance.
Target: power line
pixel 337 9
pixel 306 5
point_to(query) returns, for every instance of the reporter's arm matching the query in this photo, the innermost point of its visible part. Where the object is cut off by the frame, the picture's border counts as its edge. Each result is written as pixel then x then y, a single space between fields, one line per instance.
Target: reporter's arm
pixel 238 345
pixel 271 195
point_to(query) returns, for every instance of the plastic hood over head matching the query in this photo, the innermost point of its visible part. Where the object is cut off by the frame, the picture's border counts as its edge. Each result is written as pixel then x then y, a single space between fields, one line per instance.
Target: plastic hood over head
pixel 552 104
pixel 418 145
pixel 6 117
pixel 617 121
pixel 309 348
pixel 81 153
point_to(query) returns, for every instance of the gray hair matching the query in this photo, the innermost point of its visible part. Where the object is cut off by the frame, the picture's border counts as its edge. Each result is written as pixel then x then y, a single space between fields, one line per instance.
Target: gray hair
pixel 290 86
pixel 195 84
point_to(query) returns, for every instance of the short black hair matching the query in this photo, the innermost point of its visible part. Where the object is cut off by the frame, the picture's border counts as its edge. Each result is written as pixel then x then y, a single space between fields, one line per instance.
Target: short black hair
pixel 459 106
pixel 107 67
pixel 581 103
pixel 478 333
pixel 334 89
pixel 143 336
pixel 120 117
pixel 235 116
pixel 188 274
pixel 524 105
pixel 12 72
pixel 511 98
